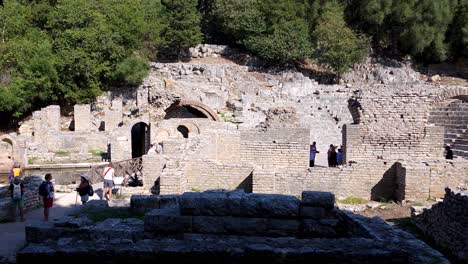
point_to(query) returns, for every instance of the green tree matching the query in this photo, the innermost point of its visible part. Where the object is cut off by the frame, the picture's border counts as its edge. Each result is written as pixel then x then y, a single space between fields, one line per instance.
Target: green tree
pixel 183 26
pixel 337 46
pixel 132 70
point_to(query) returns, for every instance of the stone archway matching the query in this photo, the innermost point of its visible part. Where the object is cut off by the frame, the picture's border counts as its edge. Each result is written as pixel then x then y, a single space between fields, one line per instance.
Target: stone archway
pixel 190 109
pixel 7 152
pixel 140 136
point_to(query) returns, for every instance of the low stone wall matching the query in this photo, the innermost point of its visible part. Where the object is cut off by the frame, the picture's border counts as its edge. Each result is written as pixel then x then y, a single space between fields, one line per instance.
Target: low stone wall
pixel 373 180
pixel 446 223
pixel 32 200
pixel 192 228
pixel 63 174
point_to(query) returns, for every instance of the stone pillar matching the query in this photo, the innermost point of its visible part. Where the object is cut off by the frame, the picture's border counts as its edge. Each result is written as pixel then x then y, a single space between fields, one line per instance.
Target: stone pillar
pixel 112 119
pixel 152 169
pixel 117 105
pixel 82 115
pixel 38 126
pixel 52 114
pixel 142 97
pixel 121 145
pixel 350 142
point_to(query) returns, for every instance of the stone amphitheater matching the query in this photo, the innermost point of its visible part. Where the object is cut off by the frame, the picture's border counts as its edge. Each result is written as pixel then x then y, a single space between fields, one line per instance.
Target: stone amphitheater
pixel 245 131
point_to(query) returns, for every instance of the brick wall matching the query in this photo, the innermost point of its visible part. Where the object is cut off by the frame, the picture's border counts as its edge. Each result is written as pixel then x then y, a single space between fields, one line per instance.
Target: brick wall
pixel 287 147
pixel 211 175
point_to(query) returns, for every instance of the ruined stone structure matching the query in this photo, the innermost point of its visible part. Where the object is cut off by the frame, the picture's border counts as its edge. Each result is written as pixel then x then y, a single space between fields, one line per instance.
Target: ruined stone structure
pixel 227 126
pixel 225 227
pixel 446 223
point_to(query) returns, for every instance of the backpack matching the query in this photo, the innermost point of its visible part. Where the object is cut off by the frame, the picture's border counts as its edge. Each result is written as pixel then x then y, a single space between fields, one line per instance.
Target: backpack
pixel 16 172
pixel 90 190
pixel 43 189
pixel 17 191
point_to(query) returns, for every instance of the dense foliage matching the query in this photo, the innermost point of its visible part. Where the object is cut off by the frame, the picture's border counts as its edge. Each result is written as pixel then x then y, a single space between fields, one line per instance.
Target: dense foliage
pixel 68 51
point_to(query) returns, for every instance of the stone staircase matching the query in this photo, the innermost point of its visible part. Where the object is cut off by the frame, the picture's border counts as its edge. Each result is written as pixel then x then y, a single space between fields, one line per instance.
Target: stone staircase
pixel 454 117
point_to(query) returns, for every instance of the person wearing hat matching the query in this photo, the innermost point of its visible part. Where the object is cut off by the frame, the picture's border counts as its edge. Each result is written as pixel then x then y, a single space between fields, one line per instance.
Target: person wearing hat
pixel 83 188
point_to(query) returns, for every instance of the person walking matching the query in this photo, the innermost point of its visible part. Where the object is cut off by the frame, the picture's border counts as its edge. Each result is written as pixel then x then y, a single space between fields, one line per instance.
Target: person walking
pixel 84 189
pixel 312 153
pixel 46 190
pixel 109 174
pixel 17 197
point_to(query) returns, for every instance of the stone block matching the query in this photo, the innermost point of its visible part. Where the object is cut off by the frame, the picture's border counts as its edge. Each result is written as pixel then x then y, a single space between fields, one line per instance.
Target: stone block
pixel 207 203
pixel 269 205
pixel 165 221
pixel 72 222
pixel 283 227
pixel 168 201
pixel 312 212
pixel 143 203
pixel 318 199
pixel 209 224
pixel 312 228
pixel 246 226
pixel 130 228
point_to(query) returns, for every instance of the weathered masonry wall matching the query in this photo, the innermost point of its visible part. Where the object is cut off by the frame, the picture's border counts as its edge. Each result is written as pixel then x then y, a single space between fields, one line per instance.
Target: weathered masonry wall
pixel 446 223
pixel 286 148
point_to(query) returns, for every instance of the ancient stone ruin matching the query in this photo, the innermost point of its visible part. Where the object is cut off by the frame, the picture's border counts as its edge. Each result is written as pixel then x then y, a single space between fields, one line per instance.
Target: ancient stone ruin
pixel 225 227
pixel 230 126
pixel 446 223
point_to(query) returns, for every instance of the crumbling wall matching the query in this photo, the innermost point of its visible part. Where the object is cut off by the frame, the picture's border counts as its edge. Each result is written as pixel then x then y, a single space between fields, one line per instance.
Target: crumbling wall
pixel 446 223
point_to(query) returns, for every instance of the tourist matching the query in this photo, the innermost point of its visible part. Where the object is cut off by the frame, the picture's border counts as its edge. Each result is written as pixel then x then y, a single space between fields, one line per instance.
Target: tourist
pixel 84 188
pixel 313 152
pixel 158 148
pixel 339 157
pixel 46 190
pixel 17 197
pixel 152 150
pixel 109 174
pixel 15 171
pixel 449 154
pixel 331 154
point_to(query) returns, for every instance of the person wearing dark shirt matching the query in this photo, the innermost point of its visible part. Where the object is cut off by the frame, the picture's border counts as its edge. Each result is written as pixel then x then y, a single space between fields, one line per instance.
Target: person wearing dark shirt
pixel 449 154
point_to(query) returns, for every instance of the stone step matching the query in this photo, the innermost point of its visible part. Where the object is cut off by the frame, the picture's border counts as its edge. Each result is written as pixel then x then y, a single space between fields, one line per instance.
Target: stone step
pixel 459 147
pixel 460 153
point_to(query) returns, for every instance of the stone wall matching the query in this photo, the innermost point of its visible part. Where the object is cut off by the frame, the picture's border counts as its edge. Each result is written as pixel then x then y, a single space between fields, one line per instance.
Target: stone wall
pixel 225 227
pixel 287 148
pixel 32 200
pixel 446 223
pixel 82 117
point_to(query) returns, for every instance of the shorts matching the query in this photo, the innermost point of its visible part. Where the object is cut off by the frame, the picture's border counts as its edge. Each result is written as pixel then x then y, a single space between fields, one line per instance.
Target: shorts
pixel 48 202
pixel 108 183
pixel 84 198
pixel 18 203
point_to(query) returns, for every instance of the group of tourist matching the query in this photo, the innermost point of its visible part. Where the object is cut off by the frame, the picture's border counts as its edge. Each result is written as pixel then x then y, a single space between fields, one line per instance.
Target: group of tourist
pixel 17 189
pixel 334 155
pixel 155 148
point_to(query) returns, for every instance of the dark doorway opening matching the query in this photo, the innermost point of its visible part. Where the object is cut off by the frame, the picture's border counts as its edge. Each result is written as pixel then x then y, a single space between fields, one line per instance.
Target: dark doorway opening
pixel 140 139
pixel 184 131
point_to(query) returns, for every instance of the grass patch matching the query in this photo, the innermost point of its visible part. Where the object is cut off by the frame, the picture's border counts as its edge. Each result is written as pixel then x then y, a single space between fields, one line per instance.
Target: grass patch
pixel 97 153
pixel 118 195
pixel 418 204
pixel 194 189
pixel 120 213
pixel 62 153
pixel 353 200
pixel 32 160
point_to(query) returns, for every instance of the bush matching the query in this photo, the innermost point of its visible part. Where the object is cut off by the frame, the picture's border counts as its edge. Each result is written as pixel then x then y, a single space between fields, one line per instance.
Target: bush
pixel 132 70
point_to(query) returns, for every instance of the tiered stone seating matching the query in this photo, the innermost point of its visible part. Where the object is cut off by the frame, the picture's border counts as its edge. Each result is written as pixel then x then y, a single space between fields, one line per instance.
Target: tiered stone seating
pixel 454 117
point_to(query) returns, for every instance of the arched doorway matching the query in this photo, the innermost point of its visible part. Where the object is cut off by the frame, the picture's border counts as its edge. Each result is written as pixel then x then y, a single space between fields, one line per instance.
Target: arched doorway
pixel 190 109
pixel 140 139
pixel 184 131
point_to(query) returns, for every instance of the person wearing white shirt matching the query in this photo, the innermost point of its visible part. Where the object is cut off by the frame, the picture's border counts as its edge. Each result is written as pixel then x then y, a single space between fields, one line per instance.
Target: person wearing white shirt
pixel 108 176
